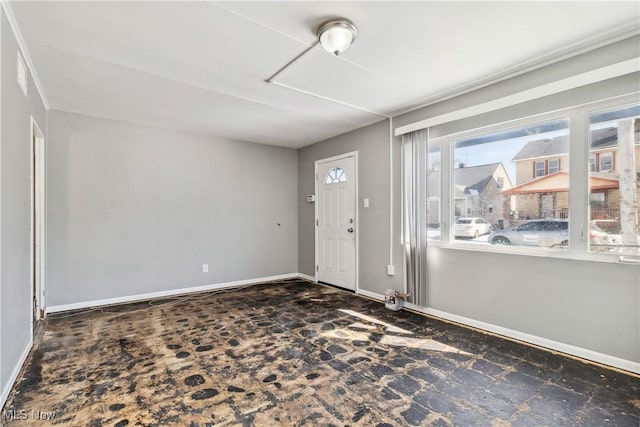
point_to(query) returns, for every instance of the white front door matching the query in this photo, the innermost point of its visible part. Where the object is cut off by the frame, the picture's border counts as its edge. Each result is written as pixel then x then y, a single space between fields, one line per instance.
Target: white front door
pixel 336 221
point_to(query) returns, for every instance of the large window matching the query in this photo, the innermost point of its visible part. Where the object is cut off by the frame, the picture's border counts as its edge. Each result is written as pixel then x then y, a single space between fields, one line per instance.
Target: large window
pixel 614 189
pixel 503 191
pixel 508 188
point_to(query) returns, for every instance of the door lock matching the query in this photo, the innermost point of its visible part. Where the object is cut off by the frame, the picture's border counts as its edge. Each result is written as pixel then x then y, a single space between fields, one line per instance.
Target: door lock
pixel 350 230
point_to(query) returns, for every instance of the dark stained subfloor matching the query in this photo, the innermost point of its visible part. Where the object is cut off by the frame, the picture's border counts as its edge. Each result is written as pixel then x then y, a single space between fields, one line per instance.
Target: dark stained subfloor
pixel 295 353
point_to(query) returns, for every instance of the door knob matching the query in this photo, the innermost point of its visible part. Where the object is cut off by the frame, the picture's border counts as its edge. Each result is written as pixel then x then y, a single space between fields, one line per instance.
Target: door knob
pixel 350 230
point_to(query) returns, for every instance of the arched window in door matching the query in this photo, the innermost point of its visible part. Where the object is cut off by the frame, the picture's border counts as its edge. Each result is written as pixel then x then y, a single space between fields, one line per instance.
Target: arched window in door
pixel 335 175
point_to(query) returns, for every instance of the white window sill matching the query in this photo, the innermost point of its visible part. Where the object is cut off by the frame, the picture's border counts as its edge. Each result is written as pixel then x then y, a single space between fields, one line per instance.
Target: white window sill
pixel 536 252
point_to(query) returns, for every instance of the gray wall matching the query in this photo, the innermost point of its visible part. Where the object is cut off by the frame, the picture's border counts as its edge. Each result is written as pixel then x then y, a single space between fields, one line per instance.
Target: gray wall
pixel 133 209
pixel 372 145
pixel 593 305
pixel 15 205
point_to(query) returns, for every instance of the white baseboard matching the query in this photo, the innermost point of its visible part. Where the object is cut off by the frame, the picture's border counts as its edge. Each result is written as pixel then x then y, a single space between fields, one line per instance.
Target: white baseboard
pixel 369 294
pixel 168 293
pixel 14 374
pixel 306 277
pixel 569 349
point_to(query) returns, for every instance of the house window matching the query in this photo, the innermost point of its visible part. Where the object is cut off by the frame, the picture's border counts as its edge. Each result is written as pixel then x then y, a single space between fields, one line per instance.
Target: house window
pixel 519 201
pixel 606 162
pixel 613 199
pixel 335 175
pixel 597 202
pixel 592 162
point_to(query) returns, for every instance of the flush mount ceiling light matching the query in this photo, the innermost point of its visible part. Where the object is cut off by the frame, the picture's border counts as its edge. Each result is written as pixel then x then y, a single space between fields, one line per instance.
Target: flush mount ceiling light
pixel 337 35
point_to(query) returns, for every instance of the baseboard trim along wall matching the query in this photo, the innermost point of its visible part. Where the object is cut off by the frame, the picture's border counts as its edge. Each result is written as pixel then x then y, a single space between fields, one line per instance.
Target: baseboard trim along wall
pixel 14 374
pixel 369 294
pixel 569 349
pixel 573 350
pixel 171 292
pixel 306 277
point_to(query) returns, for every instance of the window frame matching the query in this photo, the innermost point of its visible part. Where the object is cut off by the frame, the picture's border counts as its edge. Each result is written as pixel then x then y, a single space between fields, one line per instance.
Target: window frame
pixel 579 155
pixel 557 168
pixel 536 169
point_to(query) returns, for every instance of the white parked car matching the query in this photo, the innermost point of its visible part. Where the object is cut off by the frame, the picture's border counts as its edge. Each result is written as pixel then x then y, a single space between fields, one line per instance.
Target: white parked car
pixel 553 233
pixel 471 227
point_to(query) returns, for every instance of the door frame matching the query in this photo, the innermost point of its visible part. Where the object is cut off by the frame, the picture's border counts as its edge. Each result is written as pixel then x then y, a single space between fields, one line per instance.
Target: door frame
pixel 37 168
pixel 356 209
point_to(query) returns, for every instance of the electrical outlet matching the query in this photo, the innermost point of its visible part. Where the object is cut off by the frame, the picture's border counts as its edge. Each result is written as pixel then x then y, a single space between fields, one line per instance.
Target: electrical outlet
pixel 366 203
pixel 205 268
pixel 391 270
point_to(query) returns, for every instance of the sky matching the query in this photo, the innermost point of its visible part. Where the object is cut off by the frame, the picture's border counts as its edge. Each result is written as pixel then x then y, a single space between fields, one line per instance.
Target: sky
pixel 501 151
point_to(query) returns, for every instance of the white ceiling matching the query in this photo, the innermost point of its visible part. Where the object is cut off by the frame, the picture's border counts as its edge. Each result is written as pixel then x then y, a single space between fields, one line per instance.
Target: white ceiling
pixel 201 66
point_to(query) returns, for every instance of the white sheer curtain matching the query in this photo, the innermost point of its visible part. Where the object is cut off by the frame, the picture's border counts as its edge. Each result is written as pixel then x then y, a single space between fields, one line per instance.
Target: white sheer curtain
pixel 414 160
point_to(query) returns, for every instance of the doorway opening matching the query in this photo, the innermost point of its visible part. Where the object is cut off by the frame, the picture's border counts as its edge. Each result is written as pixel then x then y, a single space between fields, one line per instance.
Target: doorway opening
pixel 37 223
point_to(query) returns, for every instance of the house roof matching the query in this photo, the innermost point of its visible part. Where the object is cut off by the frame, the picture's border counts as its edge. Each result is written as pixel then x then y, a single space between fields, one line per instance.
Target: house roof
pixel 556 182
pixel 605 138
pixel 474 178
pixel 544 148
pixel 600 139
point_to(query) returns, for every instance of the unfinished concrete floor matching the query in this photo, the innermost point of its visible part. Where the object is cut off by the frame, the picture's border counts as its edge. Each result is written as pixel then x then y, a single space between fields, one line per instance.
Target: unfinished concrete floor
pixel 295 353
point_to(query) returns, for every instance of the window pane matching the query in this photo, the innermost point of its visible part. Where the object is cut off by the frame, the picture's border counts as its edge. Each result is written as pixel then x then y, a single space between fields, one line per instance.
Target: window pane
pixel 614 168
pixel 505 179
pixel 606 162
pixel 335 175
pixel 434 177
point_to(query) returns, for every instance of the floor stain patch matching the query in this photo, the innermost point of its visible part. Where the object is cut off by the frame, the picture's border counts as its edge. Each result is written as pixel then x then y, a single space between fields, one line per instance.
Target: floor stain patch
pixel 293 353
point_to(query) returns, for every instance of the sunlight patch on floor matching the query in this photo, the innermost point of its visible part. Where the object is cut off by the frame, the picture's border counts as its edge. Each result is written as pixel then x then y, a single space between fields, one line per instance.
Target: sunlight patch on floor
pixel 390 328
pixel 355 332
pixel 425 344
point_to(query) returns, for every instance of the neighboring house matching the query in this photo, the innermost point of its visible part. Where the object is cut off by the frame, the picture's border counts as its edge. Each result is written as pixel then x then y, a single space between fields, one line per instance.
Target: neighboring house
pixel 541 158
pixel 478 192
pixel 542 178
